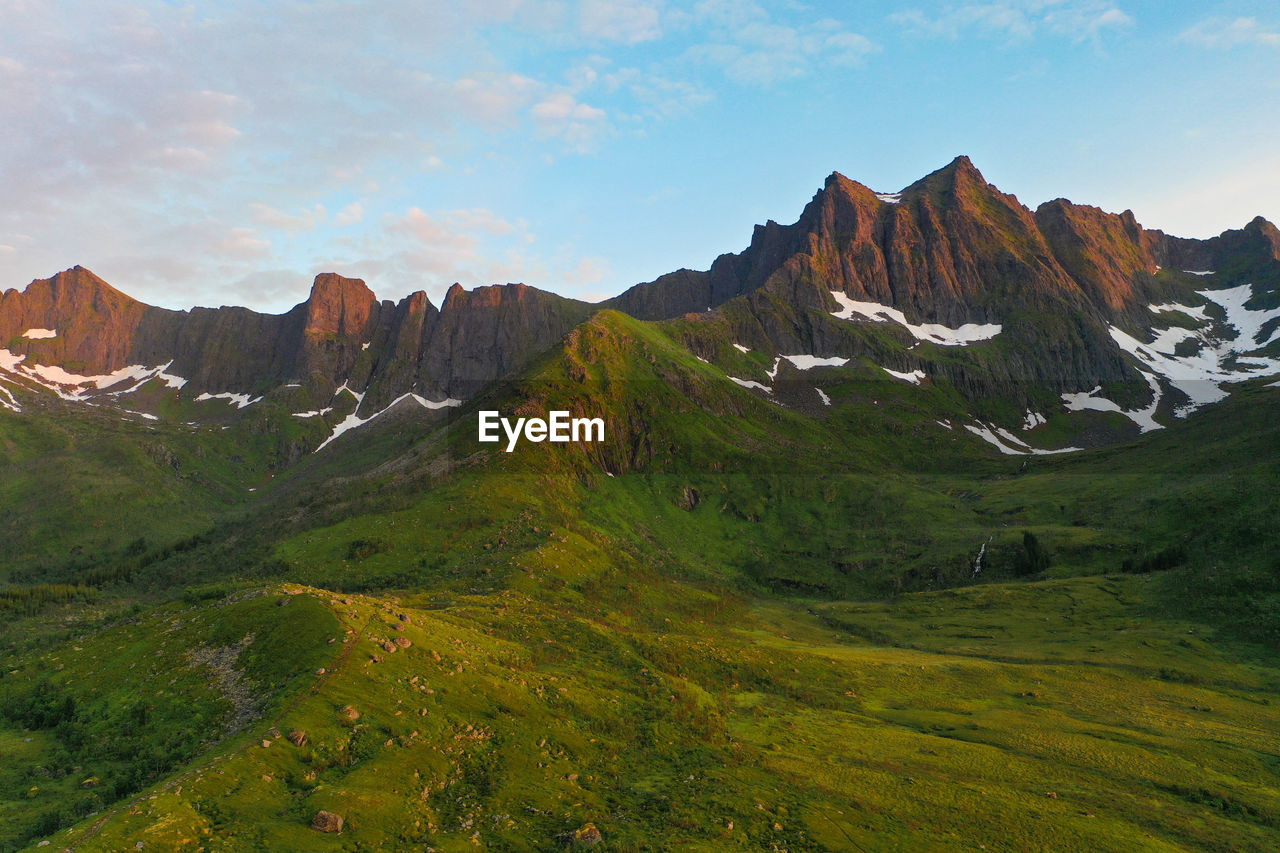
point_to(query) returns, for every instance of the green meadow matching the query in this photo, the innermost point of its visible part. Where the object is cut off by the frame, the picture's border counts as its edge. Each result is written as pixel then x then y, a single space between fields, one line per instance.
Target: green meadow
pixel 732 625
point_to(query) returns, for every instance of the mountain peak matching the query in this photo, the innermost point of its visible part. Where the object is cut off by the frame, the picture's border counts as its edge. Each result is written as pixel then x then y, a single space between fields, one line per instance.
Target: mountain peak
pixel 338 305
pixel 71 281
pixel 958 175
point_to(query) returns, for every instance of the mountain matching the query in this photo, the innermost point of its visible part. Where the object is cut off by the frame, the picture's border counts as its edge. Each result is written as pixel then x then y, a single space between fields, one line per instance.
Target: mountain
pixel 1067 292
pixel 926 522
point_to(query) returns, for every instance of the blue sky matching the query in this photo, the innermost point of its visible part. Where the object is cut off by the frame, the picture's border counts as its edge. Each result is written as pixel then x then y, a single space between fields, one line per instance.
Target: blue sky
pixel 226 153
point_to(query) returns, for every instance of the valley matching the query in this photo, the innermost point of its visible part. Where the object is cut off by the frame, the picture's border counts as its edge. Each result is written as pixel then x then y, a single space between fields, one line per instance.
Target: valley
pixel 927 522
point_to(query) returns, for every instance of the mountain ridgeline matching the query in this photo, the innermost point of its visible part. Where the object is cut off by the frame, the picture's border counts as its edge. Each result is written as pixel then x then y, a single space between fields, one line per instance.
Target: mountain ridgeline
pixel 1057 284
pixel 926 522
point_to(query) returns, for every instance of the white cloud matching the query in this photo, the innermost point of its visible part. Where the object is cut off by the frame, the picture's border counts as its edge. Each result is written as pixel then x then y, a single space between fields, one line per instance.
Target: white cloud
pixel 751 47
pixel 244 243
pixel 563 116
pixel 289 223
pixel 1018 20
pixel 1223 33
pixel 225 126
pixel 350 214
pixel 493 99
pixel 625 21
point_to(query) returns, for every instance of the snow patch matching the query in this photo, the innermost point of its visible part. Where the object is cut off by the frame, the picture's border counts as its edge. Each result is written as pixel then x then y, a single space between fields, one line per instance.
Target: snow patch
pixel 343 387
pixel 1033 420
pixel 891 198
pixel 1009 444
pixel 364 346
pixel 1196 312
pixel 353 420
pixel 40 334
pixel 239 400
pixel 807 362
pixel 73 386
pixel 1200 272
pixel 313 414
pixel 1201 374
pixel 1144 418
pixel 944 424
pixel 8 400
pixel 914 377
pixel 933 332
pixel 741 348
pixel 826 401
pixel 747 383
pixel 701 359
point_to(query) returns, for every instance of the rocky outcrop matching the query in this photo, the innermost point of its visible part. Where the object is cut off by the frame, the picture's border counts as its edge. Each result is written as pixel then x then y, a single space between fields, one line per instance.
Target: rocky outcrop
pixel 484 334
pixel 950 249
pixel 96 324
pixel 341 333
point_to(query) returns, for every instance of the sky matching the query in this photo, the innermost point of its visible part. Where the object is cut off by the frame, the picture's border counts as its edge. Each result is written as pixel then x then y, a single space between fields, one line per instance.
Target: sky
pixel 225 153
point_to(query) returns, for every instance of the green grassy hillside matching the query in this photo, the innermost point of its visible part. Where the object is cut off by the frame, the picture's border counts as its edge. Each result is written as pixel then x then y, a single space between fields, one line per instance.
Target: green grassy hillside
pixel 735 624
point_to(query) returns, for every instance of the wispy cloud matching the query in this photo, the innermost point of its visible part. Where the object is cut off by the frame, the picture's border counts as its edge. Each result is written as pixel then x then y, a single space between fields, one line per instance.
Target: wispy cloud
pixel 1077 20
pixel 563 116
pixel 625 21
pixel 1223 33
pixel 752 47
pixel 430 250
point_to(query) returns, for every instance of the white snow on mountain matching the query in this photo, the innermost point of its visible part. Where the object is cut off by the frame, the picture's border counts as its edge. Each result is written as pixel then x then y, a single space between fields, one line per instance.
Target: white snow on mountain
pixel 1208 361
pixel 238 400
pixel 40 334
pixel 933 332
pixel 914 377
pixel 1092 401
pixel 353 420
pixel 1196 312
pixel 748 383
pixel 1009 444
pixel 75 387
pixel 8 400
pixel 808 362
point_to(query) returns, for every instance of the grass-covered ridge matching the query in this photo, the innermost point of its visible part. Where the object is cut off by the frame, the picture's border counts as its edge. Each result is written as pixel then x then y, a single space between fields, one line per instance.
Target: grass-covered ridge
pixel 945 720
pixel 736 624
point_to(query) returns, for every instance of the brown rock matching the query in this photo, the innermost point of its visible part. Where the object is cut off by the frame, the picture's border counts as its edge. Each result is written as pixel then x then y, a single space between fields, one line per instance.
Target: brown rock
pixel 298 738
pixel 327 822
pixel 403 642
pixel 349 713
pixel 587 836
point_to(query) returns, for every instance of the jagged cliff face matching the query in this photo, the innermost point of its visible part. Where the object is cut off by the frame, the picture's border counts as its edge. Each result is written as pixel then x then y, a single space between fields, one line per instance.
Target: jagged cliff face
pixel 950 249
pixel 341 334
pixel 96 324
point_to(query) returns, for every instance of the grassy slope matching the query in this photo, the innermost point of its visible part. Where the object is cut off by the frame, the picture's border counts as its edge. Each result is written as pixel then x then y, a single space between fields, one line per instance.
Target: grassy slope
pixel 580 616
pixel 513 718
